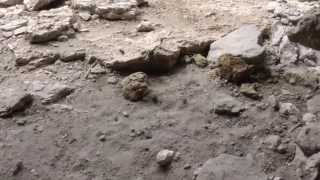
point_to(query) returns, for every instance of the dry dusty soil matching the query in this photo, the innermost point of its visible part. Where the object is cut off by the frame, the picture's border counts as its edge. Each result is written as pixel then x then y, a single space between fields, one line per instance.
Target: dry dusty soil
pixel 96 134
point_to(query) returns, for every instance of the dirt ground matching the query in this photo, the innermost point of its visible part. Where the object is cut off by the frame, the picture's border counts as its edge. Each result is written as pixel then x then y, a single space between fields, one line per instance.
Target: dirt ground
pixel 63 141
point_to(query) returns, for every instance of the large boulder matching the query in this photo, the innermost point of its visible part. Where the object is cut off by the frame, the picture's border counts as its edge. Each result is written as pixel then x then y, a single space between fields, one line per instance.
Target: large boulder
pixel 243 42
pixel 229 167
pixel 49 25
pixel 307 32
pixel 35 5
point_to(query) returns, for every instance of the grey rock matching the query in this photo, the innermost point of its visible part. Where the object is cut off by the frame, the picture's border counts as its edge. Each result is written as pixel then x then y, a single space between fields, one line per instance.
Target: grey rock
pixel 234 69
pixel 10 2
pixel 250 90
pixel 278 31
pixel 313 105
pixel 307 32
pixel 13 25
pixel 49 25
pixel 227 105
pixel 145 26
pixel 228 167
pixel 13 100
pixel 135 86
pixel 50 92
pixel 112 80
pixel 73 55
pixel 200 60
pixel 117 10
pixel 272 142
pixel 309 139
pixel 289 52
pixel 34 57
pixel 165 157
pixel 85 15
pixel 88 5
pixel 309 118
pixel 35 5
pixel 98 69
pixel 287 109
pixel 273 102
pixel 233 44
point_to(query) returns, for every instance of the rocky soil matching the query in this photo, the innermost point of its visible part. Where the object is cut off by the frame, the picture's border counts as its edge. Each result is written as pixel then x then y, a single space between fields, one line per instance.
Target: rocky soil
pixel 159 90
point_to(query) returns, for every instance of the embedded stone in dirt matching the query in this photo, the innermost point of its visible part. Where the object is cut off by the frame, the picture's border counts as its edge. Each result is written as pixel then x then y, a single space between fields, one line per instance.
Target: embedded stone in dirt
pixel 309 118
pixel 73 55
pixel 13 25
pixel 135 86
pixel 13 100
pixel 227 105
pixel 145 26
pixel 234 69
pixel 243 42
pixel 158 56
pixel 313 105
pixel 51 24
pixel 88 5
pixel 200 60
pixel 35 5
pixel 165 157
pixel 117 10
pixel 287 109
pixel 273 102
pixel 250 90
pixel 50 92
pixel 37 58
pixel 309 139
pixel 307 32
pixel 289 51
pixel 229 167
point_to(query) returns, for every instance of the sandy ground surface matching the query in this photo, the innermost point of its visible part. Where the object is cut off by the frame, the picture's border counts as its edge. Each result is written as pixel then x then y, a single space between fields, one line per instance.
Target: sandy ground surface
pixel 61 141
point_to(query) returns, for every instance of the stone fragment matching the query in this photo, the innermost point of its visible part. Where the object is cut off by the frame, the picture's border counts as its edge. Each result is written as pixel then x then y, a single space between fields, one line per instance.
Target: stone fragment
pixel 35 5
pixel 309 118
pixel 165 157
pixel 50 92
pixel 13 25
pixel 227 105
pixel 73 55
pixel 229 167
pixel 5 3
pixel 135 86
pixel 117 10
pixel 51 24
pixel 145 26
pixel 233 44
pixel 309 139
pixel 250 90
pixel 13 100
pixel 200 60
pixel 234 69
pixel 313 105
pixel 287 109
pixel 307 31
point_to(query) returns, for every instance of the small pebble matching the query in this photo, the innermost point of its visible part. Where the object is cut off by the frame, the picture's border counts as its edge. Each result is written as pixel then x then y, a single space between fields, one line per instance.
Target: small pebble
pixel 165 157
